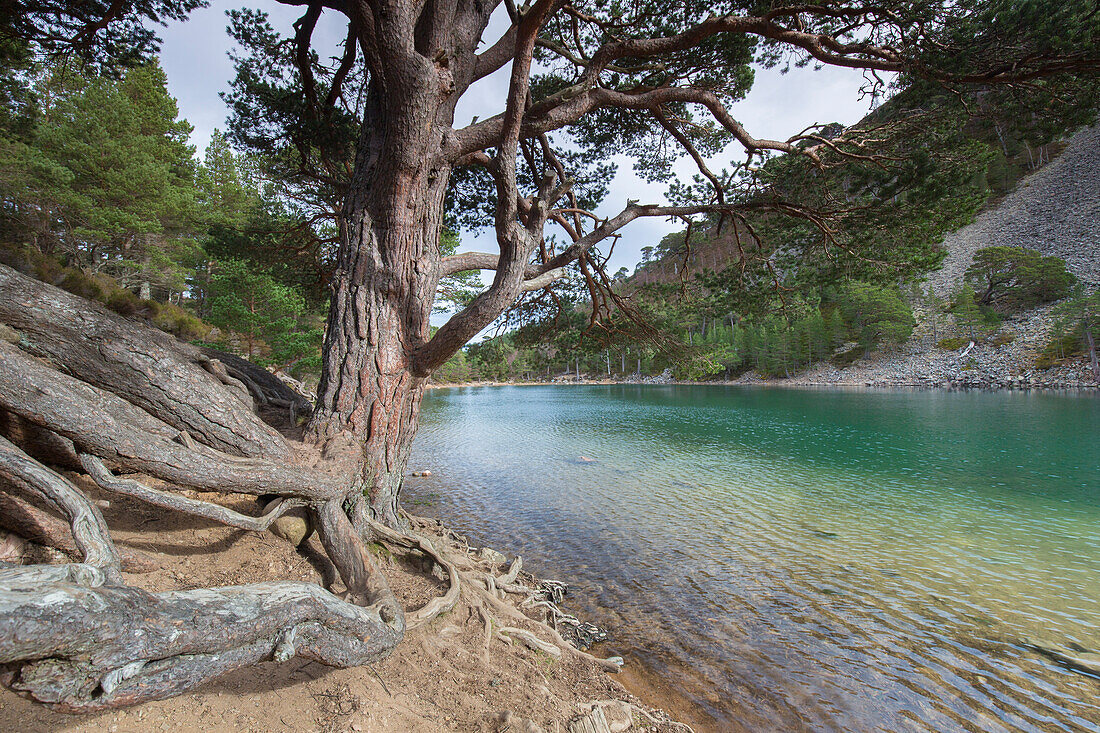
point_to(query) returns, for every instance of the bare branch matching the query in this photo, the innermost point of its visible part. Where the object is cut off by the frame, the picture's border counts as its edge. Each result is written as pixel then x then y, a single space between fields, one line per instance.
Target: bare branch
pixel 466 261
pixel 544 280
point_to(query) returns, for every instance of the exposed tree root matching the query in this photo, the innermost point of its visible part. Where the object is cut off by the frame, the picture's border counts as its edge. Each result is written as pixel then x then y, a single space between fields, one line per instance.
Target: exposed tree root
pixel 105 425
pixel 147 368
pixel 440 604
pixel 483 596
pixel 88 389
pixel 129 487
pixel 89 530
pixel 262 385
pixel 89 646
pixel 40 527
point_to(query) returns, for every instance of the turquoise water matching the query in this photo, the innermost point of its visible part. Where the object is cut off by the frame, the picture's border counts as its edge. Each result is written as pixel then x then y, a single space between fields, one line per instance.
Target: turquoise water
pixel 789 559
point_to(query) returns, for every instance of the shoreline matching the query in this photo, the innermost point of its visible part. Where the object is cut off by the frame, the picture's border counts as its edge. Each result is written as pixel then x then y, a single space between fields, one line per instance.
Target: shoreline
pixel 486 665
pixel 638 681
pixel 1074 386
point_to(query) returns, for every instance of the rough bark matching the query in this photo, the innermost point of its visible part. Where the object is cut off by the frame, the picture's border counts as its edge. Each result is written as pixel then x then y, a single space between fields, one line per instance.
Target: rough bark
pixel 83 647
pixel 383 289
pixel 262 385
pixel 102 424
pixel 152 370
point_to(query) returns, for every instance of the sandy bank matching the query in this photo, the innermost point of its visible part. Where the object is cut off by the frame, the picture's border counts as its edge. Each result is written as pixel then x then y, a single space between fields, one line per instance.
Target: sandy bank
pixel 446 676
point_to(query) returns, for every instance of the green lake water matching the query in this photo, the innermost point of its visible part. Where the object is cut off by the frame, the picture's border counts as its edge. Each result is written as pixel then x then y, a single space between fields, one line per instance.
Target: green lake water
pixel 799 559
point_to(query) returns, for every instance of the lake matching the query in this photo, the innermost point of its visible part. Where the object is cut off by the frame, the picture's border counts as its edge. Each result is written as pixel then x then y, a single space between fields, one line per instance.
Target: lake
pixel 799 559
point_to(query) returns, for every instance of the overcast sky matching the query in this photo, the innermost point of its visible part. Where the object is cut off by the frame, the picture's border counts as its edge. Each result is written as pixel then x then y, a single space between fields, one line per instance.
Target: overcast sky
pixel 194 56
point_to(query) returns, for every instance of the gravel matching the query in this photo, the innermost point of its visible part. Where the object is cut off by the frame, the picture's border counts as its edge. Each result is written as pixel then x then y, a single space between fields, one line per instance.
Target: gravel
pixel 1055 210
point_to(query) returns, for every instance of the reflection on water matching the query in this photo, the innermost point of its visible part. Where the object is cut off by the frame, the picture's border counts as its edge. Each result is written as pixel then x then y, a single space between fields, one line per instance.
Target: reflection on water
pixel 802 559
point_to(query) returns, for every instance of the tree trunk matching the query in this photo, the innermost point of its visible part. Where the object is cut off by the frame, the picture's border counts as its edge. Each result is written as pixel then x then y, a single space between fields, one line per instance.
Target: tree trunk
pixel 368 399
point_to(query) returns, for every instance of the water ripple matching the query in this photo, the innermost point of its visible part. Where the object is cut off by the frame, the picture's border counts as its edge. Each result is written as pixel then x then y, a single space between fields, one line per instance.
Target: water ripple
pixel 797 559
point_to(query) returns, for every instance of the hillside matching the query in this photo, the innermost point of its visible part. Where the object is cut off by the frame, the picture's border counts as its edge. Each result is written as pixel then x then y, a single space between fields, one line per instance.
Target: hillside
pixel 1055 210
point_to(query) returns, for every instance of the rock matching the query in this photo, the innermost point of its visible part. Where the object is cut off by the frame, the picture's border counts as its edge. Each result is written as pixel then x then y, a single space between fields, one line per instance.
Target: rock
pixel 421 474
pixel 512 723
pixel 619 715
pixel 294 526
pixel 11 547
pixel 488 553
pixel 593 722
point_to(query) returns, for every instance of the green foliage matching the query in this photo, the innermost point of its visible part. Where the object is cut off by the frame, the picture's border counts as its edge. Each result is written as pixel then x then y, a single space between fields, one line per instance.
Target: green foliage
pixel 874 314
pixel 968 315
pixel 102 175
pixel 106 33
pixel 265 313
pixel 1013 278
pixel 455 370
pixel 952 343
pixel 1062 347
pixel 1077 327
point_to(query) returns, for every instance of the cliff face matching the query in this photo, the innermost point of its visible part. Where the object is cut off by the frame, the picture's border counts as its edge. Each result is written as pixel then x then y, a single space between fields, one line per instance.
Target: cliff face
pixel 1056 211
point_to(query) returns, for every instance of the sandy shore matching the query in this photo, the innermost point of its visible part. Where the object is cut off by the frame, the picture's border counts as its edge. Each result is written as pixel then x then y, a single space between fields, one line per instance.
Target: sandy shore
pixel 447 675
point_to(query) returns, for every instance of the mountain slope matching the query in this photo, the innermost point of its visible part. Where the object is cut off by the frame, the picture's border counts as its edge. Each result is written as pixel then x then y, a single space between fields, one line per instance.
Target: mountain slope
pixel 1056 211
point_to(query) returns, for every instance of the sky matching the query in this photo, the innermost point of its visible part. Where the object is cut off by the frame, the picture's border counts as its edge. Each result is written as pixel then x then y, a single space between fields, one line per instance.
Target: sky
pixel 195 57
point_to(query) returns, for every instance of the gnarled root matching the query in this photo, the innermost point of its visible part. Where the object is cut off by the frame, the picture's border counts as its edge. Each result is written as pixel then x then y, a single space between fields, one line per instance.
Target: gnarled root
pixel 85 388
pixel 81 647
pixel 31 523
pixel 409 540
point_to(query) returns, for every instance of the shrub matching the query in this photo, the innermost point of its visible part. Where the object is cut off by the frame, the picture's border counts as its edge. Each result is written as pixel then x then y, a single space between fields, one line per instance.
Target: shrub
pixel 1014 278
pixel 78 283
pixel 124 302
pixel 180 323
pixel 953 343
pixel 1061 347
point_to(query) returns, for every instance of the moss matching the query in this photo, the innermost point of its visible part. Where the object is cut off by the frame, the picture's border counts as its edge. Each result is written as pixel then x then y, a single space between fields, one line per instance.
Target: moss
pixel 380 551
pixel 1003 338
pixel 952 343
